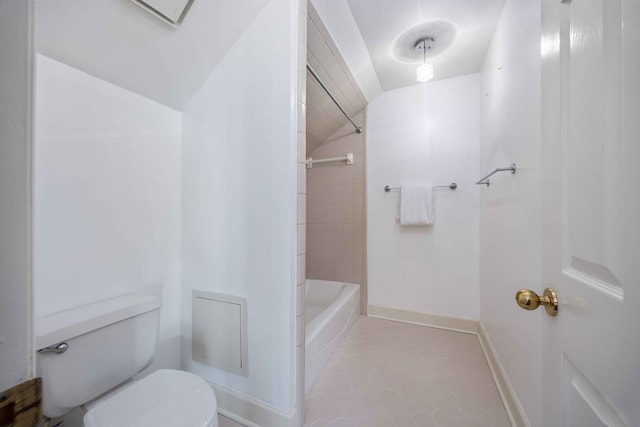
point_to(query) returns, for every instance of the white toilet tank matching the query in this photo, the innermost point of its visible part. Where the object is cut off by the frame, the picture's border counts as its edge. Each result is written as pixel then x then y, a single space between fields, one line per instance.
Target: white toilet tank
pixel 107 343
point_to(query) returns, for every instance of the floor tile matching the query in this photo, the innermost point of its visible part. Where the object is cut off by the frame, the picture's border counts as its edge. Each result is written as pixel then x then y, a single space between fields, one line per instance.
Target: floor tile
pixel 387 373
pixel 227 422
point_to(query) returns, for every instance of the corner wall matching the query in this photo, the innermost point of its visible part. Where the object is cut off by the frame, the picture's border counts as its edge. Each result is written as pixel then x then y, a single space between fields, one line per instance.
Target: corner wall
pixel 16 364
pixel 430 133
pixel 106 218
pixel 510 222
pixel 239 196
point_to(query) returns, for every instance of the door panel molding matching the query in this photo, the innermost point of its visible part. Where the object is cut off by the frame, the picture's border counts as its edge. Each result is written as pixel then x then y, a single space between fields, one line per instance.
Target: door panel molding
pixel 584 397
pixel 590 58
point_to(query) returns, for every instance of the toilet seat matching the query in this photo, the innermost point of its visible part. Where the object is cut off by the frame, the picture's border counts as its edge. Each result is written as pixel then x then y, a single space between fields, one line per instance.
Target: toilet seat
pixel 165 397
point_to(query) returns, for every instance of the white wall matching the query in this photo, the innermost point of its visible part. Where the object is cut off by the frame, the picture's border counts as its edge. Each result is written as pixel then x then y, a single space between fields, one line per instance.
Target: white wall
pixel 239 201
pixel 106 196
pixel 15 193
pixel 426 133
pixel 510 230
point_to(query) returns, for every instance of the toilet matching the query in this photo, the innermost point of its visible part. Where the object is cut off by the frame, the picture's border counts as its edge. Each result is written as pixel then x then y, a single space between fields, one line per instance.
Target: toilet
pixel 88 356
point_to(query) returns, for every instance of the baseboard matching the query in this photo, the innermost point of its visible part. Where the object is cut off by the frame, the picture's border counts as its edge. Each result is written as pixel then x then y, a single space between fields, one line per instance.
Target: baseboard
pixel 509 399
pixel 433 320
pixel 248 411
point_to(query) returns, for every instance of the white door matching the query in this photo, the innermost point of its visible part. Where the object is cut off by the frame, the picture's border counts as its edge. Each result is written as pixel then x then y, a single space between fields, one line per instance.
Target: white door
pixel 591 211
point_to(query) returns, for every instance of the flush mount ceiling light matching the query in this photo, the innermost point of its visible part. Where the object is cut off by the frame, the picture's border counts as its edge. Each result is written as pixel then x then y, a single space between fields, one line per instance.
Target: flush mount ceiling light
pixel 429 39
pixel 404 48
pixel 424 72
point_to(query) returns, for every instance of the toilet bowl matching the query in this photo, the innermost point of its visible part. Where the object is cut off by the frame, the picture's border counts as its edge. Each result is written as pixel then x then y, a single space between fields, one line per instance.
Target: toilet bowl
pixel 88 355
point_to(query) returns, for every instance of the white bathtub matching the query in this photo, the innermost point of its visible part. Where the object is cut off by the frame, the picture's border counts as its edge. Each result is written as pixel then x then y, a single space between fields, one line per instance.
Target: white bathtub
pixel 331 308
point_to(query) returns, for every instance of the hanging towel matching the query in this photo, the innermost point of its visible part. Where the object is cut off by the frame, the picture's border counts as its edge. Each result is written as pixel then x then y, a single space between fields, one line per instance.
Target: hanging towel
pixel 416 204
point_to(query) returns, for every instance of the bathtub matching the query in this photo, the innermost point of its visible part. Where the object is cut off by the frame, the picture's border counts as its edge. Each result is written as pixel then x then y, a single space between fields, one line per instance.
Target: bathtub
pixel 331 308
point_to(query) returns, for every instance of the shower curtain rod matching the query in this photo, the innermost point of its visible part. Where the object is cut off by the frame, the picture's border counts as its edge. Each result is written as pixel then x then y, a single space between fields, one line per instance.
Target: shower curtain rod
pixel 315 76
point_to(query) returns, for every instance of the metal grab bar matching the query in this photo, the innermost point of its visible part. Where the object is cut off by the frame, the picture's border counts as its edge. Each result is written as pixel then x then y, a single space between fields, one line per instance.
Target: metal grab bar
pixel 315 76
pixel 451 186
pixel 486 181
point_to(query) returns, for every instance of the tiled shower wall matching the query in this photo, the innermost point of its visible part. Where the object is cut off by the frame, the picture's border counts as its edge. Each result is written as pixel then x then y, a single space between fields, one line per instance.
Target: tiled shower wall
pixel 336 211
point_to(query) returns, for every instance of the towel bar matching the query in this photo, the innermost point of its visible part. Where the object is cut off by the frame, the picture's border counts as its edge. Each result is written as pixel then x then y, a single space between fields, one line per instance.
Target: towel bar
pixel 346 158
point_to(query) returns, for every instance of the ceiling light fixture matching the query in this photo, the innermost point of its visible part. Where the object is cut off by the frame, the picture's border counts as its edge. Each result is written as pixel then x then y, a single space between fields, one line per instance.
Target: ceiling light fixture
pixel 424 73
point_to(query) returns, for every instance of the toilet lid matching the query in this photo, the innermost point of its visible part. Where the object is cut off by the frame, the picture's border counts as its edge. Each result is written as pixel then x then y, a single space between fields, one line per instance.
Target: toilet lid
pixel 163 398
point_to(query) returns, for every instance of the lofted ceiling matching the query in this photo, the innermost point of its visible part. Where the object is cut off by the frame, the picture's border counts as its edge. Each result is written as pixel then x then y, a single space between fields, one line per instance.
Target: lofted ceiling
pixel 121 43
pixel 382 23
pixel 369 44
pixel 353 53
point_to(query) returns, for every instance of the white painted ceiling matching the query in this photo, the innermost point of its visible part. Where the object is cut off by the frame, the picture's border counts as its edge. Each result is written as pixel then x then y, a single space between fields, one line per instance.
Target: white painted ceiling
pixel 122 43
pixel 382 22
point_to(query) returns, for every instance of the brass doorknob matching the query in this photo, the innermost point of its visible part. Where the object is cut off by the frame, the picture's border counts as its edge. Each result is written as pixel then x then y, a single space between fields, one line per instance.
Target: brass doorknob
pixel 529 300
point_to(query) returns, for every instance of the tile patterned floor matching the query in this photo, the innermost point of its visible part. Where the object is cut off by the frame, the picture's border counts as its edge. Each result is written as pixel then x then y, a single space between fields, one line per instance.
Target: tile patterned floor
pixel 390 374
pixel 227 422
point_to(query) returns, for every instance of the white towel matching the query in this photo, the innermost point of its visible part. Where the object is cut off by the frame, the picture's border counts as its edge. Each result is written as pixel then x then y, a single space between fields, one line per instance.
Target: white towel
pixel 416 204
